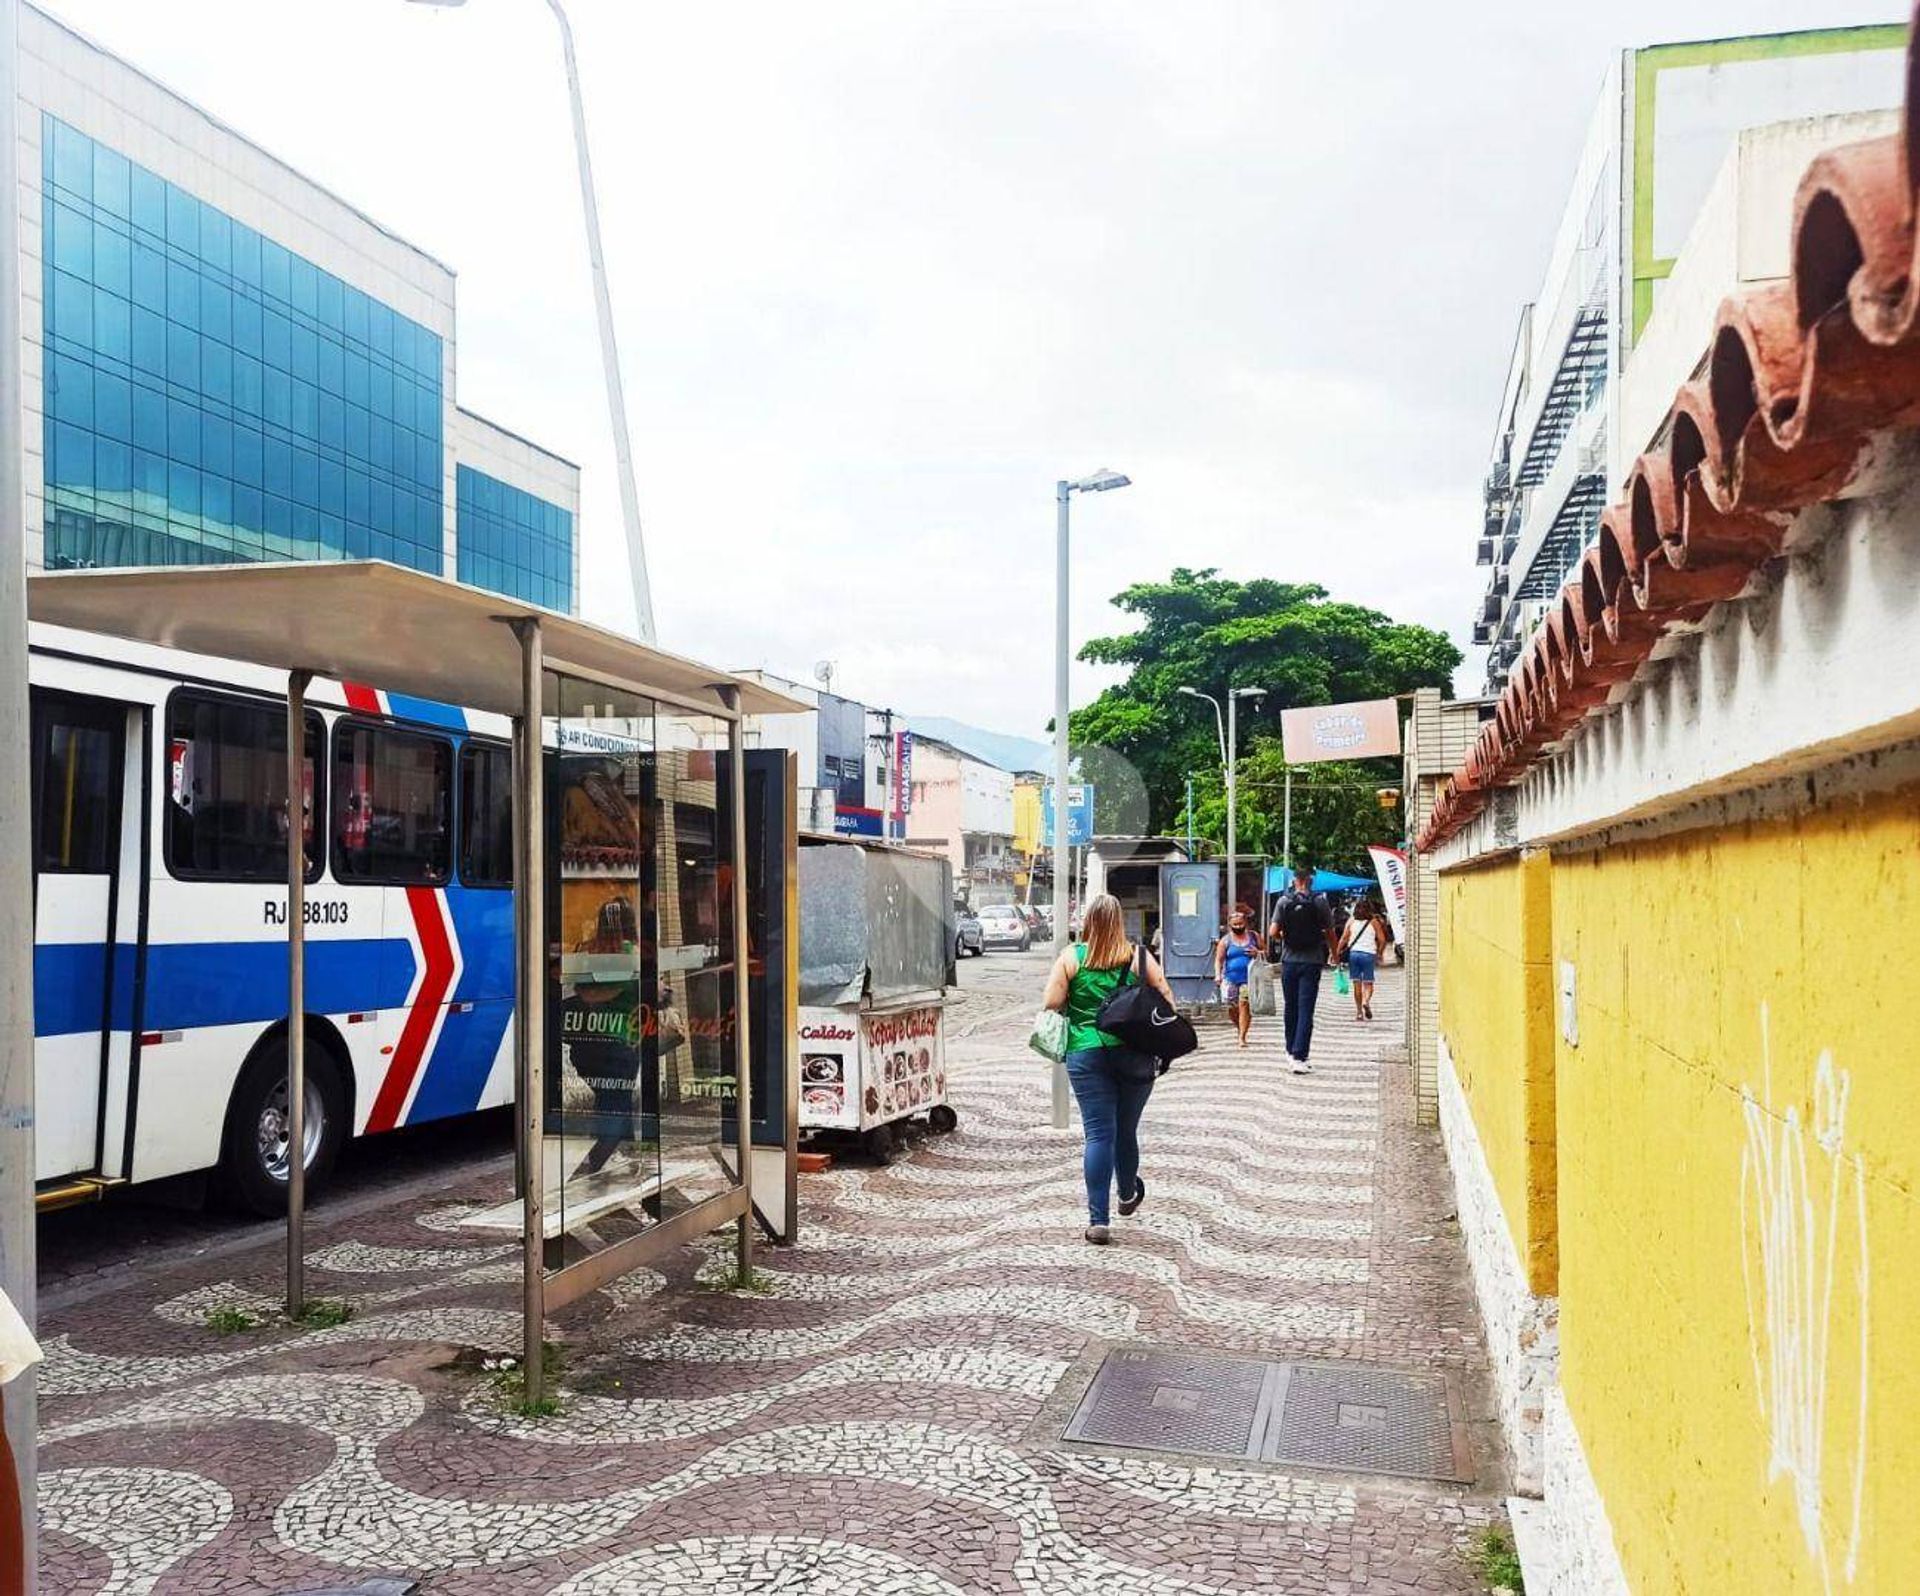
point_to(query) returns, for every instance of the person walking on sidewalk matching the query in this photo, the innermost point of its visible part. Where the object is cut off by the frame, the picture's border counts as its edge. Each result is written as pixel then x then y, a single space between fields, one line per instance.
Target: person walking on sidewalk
pixel 1111 1081
pixel 1233 957
pixel 1304 924
pixel 1365 938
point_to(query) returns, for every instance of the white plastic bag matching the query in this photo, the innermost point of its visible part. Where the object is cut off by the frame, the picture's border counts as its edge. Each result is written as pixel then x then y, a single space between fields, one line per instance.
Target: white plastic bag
pixel 1049 1038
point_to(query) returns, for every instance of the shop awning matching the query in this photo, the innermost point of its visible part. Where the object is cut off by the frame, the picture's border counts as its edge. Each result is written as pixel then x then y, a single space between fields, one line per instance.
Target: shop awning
pixel 367 621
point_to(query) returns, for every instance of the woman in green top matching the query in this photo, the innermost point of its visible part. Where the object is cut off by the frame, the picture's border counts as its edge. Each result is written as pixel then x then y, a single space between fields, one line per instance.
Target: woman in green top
pixel 1111 1083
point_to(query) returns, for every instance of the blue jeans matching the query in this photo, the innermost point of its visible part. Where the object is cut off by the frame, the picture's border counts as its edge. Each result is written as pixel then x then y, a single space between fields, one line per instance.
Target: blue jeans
pixel 1110 1110
pixel 1299 990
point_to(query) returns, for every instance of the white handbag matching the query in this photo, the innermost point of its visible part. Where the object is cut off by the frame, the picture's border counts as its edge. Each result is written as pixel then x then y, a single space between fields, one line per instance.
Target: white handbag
pixel 1049 1038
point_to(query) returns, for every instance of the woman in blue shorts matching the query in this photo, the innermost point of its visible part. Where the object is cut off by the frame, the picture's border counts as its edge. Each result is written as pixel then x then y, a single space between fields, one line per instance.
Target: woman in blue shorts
pixel 1233 955
pixel 1365 938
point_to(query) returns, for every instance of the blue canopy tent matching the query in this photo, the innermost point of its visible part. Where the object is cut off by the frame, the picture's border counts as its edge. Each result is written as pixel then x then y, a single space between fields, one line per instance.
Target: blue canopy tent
pixel 1279 878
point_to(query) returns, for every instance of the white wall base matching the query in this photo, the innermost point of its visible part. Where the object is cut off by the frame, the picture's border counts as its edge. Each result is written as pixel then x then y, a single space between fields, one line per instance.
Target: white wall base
pixel 1566 1548
pixel 1523 1331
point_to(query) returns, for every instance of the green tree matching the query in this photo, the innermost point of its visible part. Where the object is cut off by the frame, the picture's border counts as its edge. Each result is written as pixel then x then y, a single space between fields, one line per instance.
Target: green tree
pixel 1202 630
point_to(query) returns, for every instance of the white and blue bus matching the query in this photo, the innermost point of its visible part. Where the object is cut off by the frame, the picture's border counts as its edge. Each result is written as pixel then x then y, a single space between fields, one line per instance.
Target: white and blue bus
pixel 160 970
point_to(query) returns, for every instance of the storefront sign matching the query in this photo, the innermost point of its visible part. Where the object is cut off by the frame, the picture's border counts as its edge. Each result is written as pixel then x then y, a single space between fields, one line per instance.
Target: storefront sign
pixel 904 1063
pixel 1341 731
pixel 902 803
pixel 850 820
pixel 829 1069
pixel 1079 815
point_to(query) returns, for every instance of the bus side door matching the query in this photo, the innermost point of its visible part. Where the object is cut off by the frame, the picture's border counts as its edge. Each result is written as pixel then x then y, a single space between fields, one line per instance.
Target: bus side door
pixel 82 971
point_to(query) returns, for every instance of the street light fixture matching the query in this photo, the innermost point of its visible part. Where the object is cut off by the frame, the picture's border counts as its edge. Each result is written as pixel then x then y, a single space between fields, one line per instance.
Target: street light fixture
pixel 1229 760
pixel 609 354
pixel 1102 481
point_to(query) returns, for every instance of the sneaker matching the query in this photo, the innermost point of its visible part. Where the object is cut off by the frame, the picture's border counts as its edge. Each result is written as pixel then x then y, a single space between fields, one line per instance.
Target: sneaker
pixel 1132 1204
pixel 1302 1067
pixel 1099 1235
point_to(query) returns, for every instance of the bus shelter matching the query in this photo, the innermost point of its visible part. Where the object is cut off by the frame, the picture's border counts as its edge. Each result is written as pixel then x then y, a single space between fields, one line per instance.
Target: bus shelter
pixel 655 957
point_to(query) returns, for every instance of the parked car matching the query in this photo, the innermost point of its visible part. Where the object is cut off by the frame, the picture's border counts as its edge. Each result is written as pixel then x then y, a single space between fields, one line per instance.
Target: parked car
pixel 1039 921
pixel 967 935
pixel 1003 926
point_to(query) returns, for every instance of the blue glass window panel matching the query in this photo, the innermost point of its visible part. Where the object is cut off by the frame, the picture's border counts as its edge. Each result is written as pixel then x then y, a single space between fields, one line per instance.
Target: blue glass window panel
pixel 112 406
pixel 183 490
pixel 249 509
pixel 72 462
pixel 357 381
pixel 183 220
pixel 359 497
pixel 306 531
pixel 247 395
pixel 149 342
pixel 333 537
pixel 382 516
pixel 380 446
pixel 279 477
pixel 183 295
pixel 328 301
pixel 216 310
pixel 71 240
pixel 333 488
pixel 380 328
pixel 358 423
pixel 354 313
pixel 216 499
pixel 305 286
pixel 72 161
pixel 306 408
pixel 149 419
pixel 183 356
pixel 279 527
pixel 246 325
pixel 73 308
pixel 333 423
pixel 216 238
pixel 70 391
pixel 304 358
pixel 306 477
pixel 246 255
pixel 112 182
pixel 150 476
pixel 331 369
pixel 112 468
pixel 216 444
pixel 149 277
pixel 183 432
pixel 276 403
pixel 112 260
pixel 357 540
pixel 216 370
pixel 149 203
pixel 248 456
pixel 276 339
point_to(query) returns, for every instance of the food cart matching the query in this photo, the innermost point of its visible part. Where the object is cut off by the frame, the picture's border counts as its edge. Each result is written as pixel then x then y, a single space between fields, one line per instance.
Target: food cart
pixel 876 958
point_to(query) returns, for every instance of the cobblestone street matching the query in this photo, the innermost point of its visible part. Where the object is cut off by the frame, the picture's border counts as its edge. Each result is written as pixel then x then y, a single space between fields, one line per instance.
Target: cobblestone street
pixel 884 1415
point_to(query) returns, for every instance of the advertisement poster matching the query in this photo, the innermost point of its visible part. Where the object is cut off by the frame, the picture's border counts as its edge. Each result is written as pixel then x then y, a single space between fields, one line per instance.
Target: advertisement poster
pixel 1390 865
pixel 904 1064
pixel 1079 815
pixel 902 803
pixel 829 1069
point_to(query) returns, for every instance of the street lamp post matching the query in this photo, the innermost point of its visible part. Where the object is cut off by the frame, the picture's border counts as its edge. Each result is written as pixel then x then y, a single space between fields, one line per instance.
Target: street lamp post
pixel 1102 481
pixel 1228 732
pixel 609 353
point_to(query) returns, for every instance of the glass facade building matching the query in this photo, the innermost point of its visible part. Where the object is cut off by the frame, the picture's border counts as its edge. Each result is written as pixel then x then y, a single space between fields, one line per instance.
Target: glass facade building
pixel 512 541
pixel 211 396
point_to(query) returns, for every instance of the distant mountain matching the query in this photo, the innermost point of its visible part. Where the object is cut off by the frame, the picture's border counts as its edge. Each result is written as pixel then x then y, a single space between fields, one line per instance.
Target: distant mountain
pixel 996 748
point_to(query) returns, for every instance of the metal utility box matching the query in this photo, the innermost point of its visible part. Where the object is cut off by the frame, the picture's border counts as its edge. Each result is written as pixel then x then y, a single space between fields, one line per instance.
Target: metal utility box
pixel 1189 927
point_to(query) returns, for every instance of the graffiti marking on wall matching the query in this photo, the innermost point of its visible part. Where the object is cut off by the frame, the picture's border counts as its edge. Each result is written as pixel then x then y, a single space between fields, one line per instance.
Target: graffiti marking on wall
pixel 1801 1208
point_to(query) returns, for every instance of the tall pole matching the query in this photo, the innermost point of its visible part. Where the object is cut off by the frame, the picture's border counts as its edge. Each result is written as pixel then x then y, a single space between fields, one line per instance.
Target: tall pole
pixel 1062 863
pixel 1233 833
pixel 1189 814
pixel 742 989
pixel 1286 822
pixel 609 353
pixel 297 991
pixel 530 1008
pixel 17 1262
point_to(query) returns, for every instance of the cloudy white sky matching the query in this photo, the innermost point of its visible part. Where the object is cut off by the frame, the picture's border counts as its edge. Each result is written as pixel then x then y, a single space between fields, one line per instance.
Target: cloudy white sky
pixel 883 270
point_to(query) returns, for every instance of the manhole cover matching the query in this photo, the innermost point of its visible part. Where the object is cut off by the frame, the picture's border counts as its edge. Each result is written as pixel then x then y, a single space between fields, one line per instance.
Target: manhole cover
pixel 1372 1420
pixel 1350 1416
pixel 1173 1402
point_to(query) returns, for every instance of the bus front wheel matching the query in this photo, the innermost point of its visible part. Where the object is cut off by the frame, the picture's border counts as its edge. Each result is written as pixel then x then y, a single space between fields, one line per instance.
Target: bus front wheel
pixel 255 1157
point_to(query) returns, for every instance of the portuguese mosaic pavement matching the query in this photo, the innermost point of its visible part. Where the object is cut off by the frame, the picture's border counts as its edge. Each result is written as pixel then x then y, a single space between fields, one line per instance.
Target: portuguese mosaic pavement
pixel 884 1416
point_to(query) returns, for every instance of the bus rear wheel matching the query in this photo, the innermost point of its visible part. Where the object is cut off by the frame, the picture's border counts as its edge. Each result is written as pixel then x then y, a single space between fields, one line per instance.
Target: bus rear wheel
pixel 255 1161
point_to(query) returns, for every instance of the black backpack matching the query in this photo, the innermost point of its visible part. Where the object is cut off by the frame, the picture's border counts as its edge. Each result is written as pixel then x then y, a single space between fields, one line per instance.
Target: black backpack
pixel 1301 926
pixel 1140 1018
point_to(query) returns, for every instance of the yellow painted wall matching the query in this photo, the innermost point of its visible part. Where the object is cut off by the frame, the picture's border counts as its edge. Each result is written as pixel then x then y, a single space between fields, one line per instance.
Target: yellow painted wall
pixel 1026 818
pixel 1739 1161
pixel 1496 1013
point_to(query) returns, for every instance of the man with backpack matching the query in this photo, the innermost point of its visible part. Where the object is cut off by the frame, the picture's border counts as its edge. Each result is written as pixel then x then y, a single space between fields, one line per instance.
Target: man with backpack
pixel 1303 926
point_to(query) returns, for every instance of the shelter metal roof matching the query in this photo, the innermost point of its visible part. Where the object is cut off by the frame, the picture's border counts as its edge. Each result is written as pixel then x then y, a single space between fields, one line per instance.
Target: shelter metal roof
pixel 369 621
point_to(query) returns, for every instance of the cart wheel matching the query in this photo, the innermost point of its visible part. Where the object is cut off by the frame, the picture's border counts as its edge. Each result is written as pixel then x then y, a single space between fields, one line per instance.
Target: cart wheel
pixel 941 1119
pixel 879 1143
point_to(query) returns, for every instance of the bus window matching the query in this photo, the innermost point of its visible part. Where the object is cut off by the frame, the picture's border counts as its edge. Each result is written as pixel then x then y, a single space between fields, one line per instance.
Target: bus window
pixel 392 806
pixel 226 792
pixel 486 815
pixel 75 774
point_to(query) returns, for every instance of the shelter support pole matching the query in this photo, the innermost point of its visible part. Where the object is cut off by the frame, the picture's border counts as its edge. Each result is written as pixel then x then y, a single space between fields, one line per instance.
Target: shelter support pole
pixel 1286 822
pixel 17 1235
pixel 530 1028
pixel 297 990
pixel 742 955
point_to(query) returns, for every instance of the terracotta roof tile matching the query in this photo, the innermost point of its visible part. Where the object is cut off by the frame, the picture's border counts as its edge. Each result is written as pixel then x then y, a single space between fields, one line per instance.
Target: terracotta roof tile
pixel 1798 377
